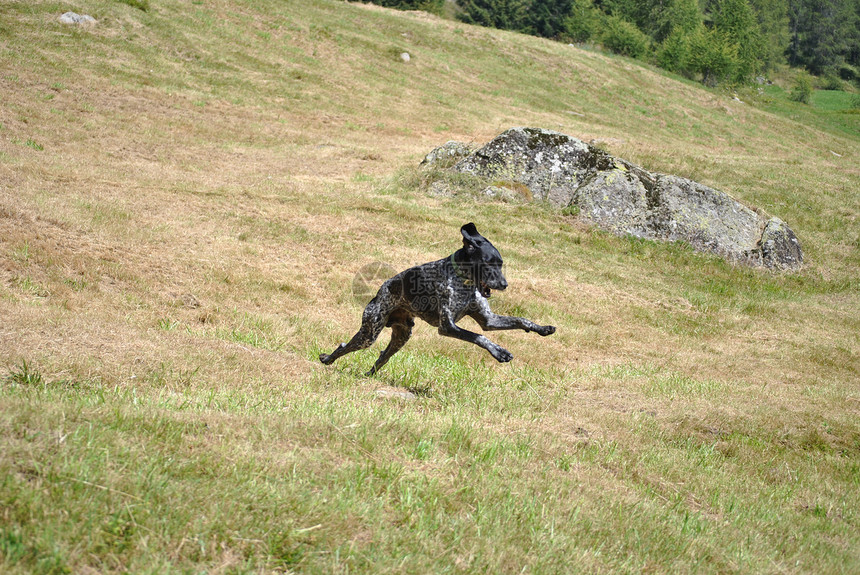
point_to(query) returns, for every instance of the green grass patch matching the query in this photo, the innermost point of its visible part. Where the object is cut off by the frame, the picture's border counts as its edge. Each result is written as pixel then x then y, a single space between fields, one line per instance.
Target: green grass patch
pixel 832 110
pixel 834 100
pixel 445 488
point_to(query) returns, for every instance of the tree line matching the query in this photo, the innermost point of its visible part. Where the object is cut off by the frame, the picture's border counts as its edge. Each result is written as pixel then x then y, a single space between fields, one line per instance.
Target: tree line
pixel 715 41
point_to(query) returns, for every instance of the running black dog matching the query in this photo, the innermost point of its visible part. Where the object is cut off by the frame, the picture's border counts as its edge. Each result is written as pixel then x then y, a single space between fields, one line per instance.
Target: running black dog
pixel 441 293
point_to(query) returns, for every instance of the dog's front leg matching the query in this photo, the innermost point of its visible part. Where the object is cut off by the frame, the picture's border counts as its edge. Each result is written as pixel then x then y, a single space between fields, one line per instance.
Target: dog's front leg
pixel 490 321
pixel 497 322
pixel 449 329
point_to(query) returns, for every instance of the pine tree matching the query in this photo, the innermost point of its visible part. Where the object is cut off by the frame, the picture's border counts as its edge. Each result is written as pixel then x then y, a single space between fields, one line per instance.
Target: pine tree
pixel 434 6
pixel 583 22
pixel 736 21
pixel 503 14
pixel 645 14
pixel 773 22
pixel 679 22
pixel 823 33
pixel 546 17
pixel 623 37
pixel 682 16
pixel 713 55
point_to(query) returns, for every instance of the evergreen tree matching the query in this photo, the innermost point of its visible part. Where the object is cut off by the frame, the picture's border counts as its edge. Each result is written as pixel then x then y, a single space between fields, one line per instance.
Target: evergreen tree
pixel 546 17
pixel 681 20
pixel 503 14
pixel 717 39
pixel 737 23
pixel 583 22
pixel 434 6
pixel 713 55
pixel 537 17
pixel 773 23
pixel 824 34
pixel 623 37
pixel 674 53
pixel 643 13
pixel 681 16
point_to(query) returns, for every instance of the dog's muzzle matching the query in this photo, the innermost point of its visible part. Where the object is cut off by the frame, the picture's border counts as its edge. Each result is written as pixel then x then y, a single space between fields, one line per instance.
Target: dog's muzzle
pixel 485 290
pixel 486 287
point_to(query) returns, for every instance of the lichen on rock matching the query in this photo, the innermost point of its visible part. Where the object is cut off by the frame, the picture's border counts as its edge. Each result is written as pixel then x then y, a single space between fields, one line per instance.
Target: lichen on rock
pixel 447 154
pixel 625 198
pixel 780 248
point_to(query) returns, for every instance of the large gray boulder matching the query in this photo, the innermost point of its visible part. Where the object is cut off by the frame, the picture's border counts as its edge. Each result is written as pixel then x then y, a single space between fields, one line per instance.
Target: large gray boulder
pixel 628 200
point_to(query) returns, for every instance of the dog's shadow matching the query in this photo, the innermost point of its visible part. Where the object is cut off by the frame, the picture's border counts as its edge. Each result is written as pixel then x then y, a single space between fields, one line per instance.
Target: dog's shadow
pixel 421 389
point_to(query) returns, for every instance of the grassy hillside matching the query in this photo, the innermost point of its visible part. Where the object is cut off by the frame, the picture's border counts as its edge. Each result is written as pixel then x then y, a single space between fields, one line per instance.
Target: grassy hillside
pixel 186 194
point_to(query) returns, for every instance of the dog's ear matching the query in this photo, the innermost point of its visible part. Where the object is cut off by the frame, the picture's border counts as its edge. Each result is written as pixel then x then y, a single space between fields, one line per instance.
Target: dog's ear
pixel 471 237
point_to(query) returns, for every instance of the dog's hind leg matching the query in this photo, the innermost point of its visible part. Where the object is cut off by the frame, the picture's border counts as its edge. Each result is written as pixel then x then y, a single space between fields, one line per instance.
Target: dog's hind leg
pixel 401 331
pixel 373 320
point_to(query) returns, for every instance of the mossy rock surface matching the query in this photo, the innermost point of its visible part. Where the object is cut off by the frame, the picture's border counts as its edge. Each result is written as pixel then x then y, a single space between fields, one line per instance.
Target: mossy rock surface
pixel 627 199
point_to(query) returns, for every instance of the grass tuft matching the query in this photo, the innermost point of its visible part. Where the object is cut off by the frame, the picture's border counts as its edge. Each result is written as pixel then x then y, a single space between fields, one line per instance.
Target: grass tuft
pixel 142 5
pixel 24 375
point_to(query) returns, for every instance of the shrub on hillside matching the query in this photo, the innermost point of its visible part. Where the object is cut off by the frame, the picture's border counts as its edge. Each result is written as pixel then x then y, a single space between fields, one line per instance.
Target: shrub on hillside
pixel 848 73
pixel 831 81
pixel 802 91
pixel 623 38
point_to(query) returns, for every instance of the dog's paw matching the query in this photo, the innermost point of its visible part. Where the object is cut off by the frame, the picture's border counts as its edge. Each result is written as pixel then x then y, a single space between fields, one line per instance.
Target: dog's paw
pixel 502 355
pixel 325 358
pixel 546 330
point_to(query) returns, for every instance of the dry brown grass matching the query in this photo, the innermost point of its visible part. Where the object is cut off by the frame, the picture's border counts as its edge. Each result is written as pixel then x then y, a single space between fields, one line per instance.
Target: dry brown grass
pixel 190 234
pixel 142 195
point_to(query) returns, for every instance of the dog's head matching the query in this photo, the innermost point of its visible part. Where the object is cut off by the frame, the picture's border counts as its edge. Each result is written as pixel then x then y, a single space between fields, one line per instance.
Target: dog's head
pixel 484 261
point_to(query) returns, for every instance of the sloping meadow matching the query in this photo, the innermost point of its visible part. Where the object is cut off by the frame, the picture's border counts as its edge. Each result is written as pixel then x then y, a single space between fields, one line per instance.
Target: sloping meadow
pixel 187 193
